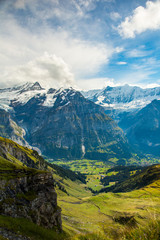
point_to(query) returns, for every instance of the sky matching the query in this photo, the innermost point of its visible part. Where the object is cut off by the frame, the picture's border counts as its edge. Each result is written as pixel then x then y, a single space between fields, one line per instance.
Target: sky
pixel 85 44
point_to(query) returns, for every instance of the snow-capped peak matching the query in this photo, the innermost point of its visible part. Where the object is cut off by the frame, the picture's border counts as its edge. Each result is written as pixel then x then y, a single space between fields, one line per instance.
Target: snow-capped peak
pixel 124 98
pixel 32 87
pixel 19 94
pixel 10 97
pixel 53 94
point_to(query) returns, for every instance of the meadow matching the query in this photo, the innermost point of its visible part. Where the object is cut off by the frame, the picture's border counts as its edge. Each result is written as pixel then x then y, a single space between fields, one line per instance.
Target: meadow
pixel 93 170
pixel 87 215
pixel 111 215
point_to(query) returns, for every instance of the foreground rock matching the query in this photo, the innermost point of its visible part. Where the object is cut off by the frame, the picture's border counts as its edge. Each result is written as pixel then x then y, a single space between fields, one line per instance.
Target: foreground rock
pixel 31 194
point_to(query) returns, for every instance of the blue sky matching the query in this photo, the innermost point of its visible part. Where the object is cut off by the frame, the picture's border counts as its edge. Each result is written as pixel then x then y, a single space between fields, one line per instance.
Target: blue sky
pixel 86 44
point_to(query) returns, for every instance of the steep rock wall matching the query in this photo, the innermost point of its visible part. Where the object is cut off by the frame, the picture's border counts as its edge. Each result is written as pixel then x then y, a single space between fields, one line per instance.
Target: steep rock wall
pixel 31 196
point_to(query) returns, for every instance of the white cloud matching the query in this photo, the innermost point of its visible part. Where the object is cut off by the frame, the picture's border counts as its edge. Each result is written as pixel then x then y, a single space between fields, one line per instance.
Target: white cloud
pixel 119 49
pixel 20 4
pixel 86 5
pixel 143 19
pixel 19 46
pixel 49 70
pixel 137 53
pixel 140 74
pixel 146 64
pixel 55 27
pixel 152 85
pixel 121 63
pixel 115 16
pixel 48 9
pixel 96 83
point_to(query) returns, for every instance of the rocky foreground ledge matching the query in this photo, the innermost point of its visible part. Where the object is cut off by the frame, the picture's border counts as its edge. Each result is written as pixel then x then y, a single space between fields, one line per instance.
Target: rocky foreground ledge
pixel 30 194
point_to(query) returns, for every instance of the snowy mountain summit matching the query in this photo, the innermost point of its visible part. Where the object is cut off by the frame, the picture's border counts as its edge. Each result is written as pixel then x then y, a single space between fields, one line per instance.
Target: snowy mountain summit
pixel 20 95
pixel 61 123
pixel 123 98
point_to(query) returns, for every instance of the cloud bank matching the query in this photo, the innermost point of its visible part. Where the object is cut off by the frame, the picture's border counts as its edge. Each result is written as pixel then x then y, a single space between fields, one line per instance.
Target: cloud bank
pixel 48 70
pixel 22 43
pixel 141 20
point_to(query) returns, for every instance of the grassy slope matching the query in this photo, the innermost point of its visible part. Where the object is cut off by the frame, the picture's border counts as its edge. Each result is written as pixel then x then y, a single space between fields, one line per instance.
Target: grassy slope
pixel 101 213
pixel 10 170
pixel 84 213
pixel 146 177
pixel 104 212
pixel 24 227
pixel 29 153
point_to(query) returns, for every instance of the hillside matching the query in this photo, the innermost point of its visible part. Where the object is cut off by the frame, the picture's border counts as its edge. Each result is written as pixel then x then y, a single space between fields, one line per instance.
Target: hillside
pixel 82 213
pixel 112 214
pixel 142 128
pixel 9 128
pixel 25 157
pixel 140 180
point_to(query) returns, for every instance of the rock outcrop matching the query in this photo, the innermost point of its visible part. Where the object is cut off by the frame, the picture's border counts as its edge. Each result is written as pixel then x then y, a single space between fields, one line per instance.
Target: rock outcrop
pixel 12 151
pixel 9 128
pixel 31 194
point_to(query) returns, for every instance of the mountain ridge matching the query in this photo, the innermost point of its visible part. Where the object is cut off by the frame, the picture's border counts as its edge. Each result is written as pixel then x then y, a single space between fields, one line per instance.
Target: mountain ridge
pixel 143 128
pixel 121 99
pixel 63 124
pixel 141 180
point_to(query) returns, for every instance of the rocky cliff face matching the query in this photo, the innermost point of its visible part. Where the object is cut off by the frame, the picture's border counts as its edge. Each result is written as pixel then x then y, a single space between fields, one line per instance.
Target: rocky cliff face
pixel 9 128
pixel 30 195
pixel 24 191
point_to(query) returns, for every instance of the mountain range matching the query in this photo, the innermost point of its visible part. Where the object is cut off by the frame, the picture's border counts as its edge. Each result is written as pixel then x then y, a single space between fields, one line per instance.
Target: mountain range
pixel 62 123
pixel 137 112
pixel 121 99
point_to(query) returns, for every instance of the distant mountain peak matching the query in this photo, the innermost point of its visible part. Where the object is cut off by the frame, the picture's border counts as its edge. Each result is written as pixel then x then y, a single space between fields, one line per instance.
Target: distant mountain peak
pixel 36 86
pixel 51 90
pixel 31 87
pixel 123 98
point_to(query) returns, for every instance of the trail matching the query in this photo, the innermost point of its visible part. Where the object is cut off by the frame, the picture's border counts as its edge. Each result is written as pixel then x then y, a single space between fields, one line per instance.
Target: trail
pixel 78 202
pixel 99 210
